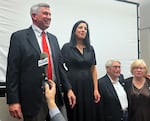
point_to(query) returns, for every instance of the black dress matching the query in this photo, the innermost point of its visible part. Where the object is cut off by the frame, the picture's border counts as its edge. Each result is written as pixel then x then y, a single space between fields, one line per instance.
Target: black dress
pixel 139 101
pixel 80 77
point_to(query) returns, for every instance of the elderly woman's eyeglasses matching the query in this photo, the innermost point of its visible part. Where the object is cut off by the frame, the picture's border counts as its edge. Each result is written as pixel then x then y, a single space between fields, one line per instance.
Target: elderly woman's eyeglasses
pixel 139 68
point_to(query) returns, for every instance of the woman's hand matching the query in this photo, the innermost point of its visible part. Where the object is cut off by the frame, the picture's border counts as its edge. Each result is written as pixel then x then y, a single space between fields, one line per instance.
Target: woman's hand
pixel 96 96
pixel 71 98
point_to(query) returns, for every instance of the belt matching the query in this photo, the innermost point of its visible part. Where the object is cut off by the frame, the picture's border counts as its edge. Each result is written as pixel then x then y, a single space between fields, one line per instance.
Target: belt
pixel 124 111
pixel 124 115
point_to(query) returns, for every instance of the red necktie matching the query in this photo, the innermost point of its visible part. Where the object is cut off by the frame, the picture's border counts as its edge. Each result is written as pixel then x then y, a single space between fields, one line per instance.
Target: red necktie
pixel 46 50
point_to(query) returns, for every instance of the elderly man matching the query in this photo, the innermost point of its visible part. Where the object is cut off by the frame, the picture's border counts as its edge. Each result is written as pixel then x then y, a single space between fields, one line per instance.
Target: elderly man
pixel 114 104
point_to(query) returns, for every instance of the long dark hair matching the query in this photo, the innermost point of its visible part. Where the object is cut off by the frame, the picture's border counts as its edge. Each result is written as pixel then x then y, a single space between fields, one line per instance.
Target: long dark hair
pixel 73 39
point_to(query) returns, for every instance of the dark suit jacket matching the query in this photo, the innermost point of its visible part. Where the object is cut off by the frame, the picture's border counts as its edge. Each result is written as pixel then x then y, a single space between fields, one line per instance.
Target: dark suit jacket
pixel 109 107
pixel 24 77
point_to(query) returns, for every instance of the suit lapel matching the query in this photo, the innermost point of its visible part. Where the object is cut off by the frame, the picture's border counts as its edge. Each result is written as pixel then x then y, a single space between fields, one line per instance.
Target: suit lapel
pixel 33 40
pixel 122 83
pixel 111 88
pixel 52 47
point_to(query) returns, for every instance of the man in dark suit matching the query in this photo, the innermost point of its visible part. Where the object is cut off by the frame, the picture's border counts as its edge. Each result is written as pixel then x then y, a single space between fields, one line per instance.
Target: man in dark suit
pixel 24 77
pixel 113 105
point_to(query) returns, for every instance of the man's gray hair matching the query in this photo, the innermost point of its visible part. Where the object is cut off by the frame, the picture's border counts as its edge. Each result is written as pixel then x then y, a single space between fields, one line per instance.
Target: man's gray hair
pixel 35 8
pixel 109 62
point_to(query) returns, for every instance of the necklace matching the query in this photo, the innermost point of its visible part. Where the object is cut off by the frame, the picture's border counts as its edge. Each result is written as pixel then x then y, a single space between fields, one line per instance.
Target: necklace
pixel 138 85
pixel 136 90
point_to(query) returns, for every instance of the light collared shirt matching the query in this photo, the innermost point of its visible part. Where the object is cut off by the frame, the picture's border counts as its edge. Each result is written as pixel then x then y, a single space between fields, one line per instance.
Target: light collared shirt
pixel 56 115
pixel 121 93
pixel 53 112
pixel 38 34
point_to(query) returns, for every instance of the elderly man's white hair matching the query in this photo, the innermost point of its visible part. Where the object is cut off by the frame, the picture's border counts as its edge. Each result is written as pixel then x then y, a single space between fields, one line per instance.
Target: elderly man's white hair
pixel 109 62
pixel 35 8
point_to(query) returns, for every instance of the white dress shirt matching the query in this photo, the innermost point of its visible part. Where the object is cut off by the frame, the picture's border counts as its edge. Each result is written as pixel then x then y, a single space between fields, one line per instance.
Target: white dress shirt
pixel 121 93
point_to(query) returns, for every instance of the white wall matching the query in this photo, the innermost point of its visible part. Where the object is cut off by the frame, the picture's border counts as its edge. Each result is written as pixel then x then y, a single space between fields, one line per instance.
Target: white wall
pixel 144 15
pixel 145 32
pixel 113 27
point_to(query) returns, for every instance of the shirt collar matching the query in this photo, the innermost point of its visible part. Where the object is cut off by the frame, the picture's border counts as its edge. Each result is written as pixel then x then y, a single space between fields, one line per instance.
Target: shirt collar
pixel 113 81
pixel 37 30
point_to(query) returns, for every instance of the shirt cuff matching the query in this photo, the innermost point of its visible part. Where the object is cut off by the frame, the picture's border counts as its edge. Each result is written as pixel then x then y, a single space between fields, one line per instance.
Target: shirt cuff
pixel 53 112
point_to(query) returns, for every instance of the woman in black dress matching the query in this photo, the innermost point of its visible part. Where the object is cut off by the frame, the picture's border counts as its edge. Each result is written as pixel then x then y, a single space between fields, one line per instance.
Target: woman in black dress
pixel 81 91
pixel 138 90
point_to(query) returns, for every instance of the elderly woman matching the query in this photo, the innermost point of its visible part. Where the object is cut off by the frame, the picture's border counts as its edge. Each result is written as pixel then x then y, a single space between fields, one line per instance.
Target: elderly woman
pixel 138 90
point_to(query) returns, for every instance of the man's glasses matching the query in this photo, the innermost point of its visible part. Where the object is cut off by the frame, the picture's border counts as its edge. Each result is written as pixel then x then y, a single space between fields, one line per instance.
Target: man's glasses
pixel 116 67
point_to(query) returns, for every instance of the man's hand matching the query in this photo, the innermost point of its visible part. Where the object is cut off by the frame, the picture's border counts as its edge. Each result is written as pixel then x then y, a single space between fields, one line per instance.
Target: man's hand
pixel 15 110
pixel 50 94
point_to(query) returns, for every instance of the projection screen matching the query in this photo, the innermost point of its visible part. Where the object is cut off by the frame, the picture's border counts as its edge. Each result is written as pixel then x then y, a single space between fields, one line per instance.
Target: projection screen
pixel 113 27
